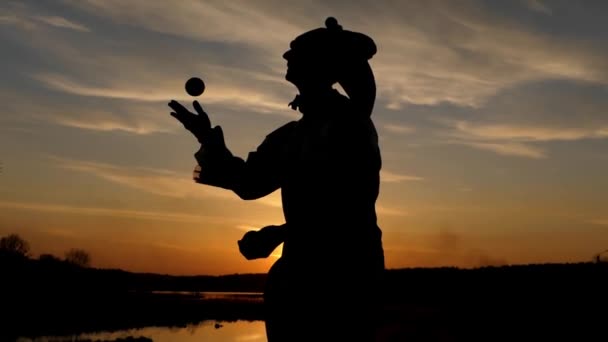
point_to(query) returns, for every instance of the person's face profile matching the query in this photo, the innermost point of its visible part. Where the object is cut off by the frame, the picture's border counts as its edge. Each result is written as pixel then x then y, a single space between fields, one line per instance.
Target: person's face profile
pixel 293 73
pixel 307 69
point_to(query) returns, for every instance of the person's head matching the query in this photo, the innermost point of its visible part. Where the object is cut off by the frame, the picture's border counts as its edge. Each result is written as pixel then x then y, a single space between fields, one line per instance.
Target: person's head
pixel 322 57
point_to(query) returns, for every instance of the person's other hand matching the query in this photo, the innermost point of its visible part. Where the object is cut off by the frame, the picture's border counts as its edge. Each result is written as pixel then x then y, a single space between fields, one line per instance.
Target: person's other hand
pixel 259 244
pixel 198 124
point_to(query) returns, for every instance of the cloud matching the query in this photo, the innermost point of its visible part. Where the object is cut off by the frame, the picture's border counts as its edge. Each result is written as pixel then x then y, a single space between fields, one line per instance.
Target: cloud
pixel 390 177
pixel 62 83
pixel 386 211
pixel 246 227
pixel 110 67
pixel 452 56
pixel 530 133
pixel 18 21
pixel 157 181
pixel 232 93
pixel 221 94
pixel 131 118
pixel 538 6
pixel 135 118
pixel 62 23
pixel 154 181
pixel 508 149
pixel 20 16
pixel 122 213
pixel 105 122
pixel 463 54
pixel 398 129
pixel 429 53
pixel 236 21
pixel 172 184
pixel 524 120
pixel 601 222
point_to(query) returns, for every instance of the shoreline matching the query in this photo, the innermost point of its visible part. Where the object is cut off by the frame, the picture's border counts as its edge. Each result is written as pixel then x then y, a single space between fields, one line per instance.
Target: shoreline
pixel 536 301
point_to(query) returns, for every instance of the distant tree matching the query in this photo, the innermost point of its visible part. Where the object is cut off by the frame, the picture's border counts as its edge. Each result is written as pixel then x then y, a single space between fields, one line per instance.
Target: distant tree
pixel 48 258
pixel 14 244
pixel 600 257
pixel 78 257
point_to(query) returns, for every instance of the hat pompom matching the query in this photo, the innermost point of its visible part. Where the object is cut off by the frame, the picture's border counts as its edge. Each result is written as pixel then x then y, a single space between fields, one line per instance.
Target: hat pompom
pixel 332 24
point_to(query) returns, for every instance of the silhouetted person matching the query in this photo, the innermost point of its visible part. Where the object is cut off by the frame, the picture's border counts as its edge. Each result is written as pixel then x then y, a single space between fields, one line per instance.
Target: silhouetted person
pixel 327 165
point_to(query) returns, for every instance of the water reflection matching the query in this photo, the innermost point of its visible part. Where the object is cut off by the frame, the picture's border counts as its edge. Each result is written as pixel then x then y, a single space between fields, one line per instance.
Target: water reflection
pixel 250 331
pixel 204 295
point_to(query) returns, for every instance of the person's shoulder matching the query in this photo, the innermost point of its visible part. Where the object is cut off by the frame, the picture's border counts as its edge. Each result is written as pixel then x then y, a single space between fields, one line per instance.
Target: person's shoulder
pixel 283 132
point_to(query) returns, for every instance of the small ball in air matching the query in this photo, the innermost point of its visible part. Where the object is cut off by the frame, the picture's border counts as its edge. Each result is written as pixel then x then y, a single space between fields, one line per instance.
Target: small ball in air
pixel 195 86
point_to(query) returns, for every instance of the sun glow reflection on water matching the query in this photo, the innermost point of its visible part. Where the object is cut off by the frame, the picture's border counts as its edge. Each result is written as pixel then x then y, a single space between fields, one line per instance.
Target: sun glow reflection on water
pixel 213 331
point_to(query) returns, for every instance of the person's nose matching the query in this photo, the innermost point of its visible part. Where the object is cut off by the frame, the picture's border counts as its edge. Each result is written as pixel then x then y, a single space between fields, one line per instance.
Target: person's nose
pixel 287 54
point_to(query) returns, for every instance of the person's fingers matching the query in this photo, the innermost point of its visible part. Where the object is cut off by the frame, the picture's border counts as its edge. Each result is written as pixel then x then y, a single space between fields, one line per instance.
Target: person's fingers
pixel 179 111
pixel 178 107
pixel 184 119
pixel 205 123
pixel 218 135
pixel 179 118
pixel 197 106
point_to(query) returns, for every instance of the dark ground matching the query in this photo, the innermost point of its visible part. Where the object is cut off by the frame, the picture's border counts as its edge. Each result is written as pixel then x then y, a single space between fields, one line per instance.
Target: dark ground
pixel 511 303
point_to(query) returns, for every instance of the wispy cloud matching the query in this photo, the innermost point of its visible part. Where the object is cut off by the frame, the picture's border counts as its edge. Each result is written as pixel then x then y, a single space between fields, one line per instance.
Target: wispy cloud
pixel 508 149
pixel 20 15
pixel 111 212
pixel 460 54
pixel 18 21
pixel 225 94
pixel 62 23
pixel 246 227
pixel 398 129
pixel 131 118
pixel 62 83
pixel 529 133
pixel 430 54
pixel 391 177
pixel 235 21
pixel 382 210
pixel 601 222
pixel 538 6
pixel 141 118
pixel 108 124
pixel 154 181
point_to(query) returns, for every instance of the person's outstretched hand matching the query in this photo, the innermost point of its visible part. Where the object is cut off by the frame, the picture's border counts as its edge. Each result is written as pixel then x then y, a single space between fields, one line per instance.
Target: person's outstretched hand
pixel 259 244
pixel 198 124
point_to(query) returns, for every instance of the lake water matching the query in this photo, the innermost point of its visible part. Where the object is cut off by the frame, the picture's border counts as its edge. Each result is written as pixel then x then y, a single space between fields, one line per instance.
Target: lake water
pixel 213 331
pixel 233 296
pixel 239 331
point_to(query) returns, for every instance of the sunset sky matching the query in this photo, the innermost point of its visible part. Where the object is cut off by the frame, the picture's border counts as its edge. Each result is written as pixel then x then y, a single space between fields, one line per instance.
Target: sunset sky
pixel 492 116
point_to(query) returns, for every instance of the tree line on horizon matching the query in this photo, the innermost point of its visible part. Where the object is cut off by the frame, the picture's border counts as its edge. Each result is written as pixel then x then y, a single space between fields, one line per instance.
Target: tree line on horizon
pixel 13 245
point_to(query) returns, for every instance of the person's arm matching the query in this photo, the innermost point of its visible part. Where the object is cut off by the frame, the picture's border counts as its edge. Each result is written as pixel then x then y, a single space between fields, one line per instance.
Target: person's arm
pixel 253 178
pixel 256 177
pixel 260 243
